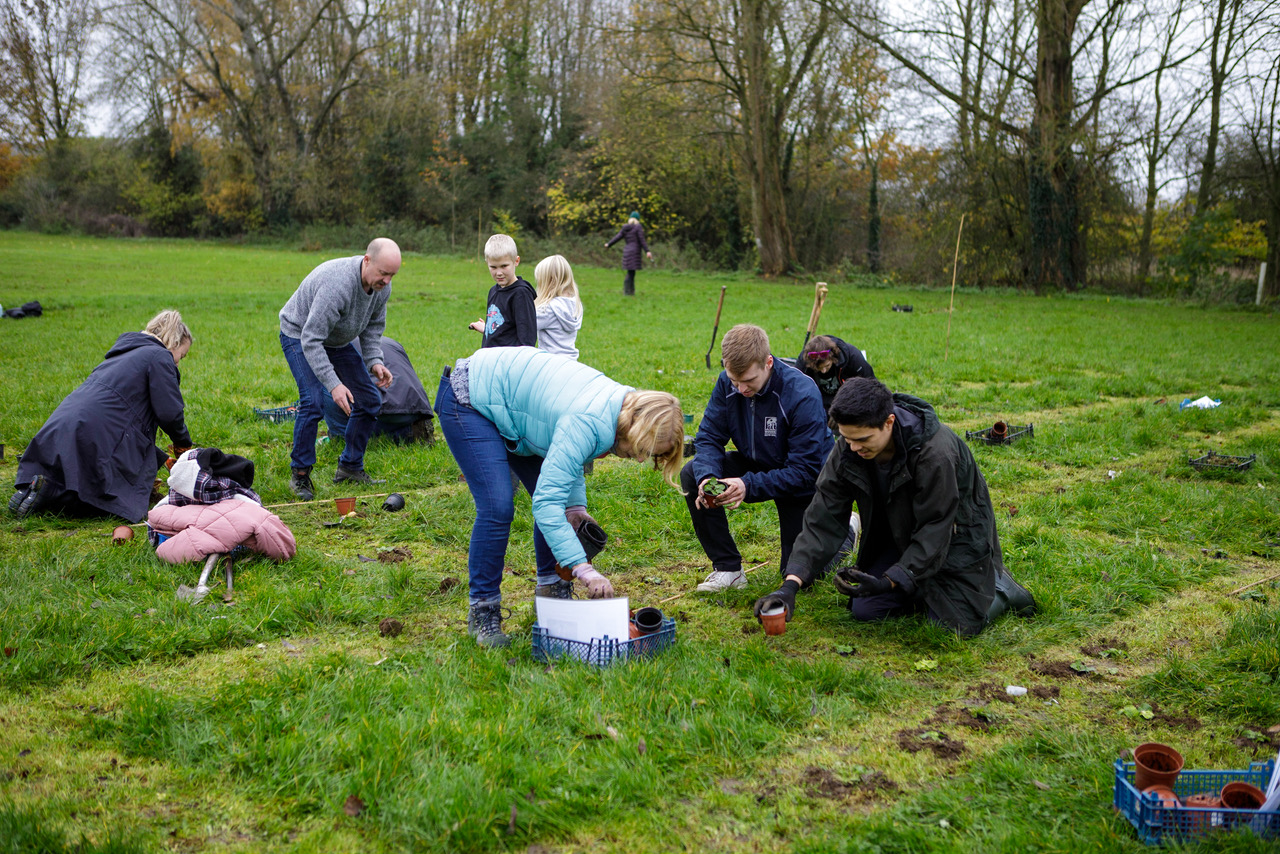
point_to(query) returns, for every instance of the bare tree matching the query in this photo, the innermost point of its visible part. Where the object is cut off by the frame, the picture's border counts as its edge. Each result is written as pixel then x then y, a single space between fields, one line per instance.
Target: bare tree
pixel 44 50
pixel 1171 112
pixel 1071 49
pixel 757 55
pixel 273 70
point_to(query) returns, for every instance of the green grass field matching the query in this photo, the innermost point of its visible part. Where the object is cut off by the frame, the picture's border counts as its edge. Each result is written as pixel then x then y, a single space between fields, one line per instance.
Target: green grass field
pixel 284 721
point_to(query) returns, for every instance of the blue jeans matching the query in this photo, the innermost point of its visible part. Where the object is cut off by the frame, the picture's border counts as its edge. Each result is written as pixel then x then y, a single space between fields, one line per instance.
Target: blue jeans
pixel 352 372
pixel 482 454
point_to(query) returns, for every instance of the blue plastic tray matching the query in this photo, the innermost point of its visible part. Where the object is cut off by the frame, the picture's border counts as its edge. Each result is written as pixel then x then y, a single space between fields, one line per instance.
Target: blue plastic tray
pixel 603 651
pixel 1157 823
pixel 278 415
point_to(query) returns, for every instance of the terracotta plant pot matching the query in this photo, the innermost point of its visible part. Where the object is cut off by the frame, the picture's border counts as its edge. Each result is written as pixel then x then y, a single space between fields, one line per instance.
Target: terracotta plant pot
pixel 1155 765
pixel 999 431
pixel 344 505
pixel 1198 822
pixel 648 620
pixel 122 534
pixel 1242 796
pixel 774 620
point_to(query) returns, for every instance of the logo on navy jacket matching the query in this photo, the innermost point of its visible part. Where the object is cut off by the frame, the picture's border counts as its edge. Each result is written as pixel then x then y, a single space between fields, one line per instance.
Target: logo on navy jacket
pixel 771 426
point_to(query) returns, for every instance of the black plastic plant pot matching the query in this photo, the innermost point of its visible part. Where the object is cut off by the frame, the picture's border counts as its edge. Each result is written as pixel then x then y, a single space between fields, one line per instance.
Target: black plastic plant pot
pixel 394 502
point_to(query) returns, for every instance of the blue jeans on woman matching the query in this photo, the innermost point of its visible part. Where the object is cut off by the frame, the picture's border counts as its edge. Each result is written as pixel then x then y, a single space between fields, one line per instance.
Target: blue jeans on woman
pixel 351 371
pixel 482 454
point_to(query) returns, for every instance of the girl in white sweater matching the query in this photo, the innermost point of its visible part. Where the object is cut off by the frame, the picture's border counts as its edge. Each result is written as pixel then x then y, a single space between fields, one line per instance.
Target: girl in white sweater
pixel 558 306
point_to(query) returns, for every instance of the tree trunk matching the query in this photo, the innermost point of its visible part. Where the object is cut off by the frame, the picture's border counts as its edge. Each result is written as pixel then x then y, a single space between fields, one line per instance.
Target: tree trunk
pixel 873 219
pixel 1224 37
pixel 763 145
pixel 1057 246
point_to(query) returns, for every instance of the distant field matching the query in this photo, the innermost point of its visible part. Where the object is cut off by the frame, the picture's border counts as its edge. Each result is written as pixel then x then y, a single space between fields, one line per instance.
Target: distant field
pixel 130 722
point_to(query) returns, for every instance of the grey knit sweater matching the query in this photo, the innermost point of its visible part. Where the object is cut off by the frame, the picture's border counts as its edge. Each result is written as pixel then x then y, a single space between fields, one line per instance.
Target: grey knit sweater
pixel 330 309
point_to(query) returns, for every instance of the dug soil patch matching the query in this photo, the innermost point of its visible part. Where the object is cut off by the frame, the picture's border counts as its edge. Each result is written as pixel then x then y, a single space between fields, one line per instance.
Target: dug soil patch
pixel 1056 669
pixel 959 716
pixel 1101 646
pixel 820 782
pixel 916 740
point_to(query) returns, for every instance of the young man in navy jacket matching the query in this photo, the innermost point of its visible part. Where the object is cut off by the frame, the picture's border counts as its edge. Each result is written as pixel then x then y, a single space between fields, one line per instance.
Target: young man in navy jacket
pixel 773 414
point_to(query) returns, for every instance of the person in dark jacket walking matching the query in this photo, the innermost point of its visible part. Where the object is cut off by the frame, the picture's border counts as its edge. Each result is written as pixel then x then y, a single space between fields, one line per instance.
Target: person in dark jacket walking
pixel 831 362
pixel 633 235
pixel 773 414
pixel 929 543
pixel 97 452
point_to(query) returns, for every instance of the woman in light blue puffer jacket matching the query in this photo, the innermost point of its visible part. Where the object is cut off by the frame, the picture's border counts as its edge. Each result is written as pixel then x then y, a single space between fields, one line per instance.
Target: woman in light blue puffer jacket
pixel 542 416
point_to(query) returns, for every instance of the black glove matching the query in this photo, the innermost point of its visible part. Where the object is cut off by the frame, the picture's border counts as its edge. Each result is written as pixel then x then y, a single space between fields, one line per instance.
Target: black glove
pixel 784 596
pixel 860 585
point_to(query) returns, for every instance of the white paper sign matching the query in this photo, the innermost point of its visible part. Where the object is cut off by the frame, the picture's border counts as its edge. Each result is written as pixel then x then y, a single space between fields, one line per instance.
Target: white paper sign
pixel 584 619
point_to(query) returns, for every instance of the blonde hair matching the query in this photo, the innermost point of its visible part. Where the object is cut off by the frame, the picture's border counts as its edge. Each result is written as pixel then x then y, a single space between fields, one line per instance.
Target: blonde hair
pixel 500 247
pixel 743 346
pixel 652 419
pixel 554 278
pixel 169 328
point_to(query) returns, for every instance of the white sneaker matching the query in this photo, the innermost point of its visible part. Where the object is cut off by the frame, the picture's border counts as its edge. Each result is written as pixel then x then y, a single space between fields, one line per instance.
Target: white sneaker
pixel 718 581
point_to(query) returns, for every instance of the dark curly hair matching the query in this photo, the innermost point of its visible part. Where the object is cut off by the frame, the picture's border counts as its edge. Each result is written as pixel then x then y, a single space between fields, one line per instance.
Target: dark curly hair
pixel 862 402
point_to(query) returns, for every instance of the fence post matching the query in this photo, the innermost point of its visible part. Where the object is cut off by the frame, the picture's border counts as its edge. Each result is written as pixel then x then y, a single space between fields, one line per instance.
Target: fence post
pixel 1262 281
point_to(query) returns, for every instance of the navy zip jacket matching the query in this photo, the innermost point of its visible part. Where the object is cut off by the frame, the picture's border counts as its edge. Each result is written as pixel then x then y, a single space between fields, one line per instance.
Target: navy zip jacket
pixel 782 431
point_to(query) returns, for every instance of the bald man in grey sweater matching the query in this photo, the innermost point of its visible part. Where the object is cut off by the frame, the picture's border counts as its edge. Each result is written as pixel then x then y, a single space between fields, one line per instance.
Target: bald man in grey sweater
pixel 338 302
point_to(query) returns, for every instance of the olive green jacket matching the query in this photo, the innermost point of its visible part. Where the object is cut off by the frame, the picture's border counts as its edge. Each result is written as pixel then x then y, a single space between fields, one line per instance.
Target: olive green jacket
pixel 938 512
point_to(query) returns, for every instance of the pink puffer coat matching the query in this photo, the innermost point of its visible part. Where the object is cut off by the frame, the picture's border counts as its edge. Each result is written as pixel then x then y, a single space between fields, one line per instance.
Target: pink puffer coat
pixel 196 531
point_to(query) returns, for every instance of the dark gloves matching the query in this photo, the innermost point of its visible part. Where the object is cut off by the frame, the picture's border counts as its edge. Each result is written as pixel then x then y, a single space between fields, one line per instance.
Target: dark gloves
pixel 590 534
pixel 851 582
pixel 784 596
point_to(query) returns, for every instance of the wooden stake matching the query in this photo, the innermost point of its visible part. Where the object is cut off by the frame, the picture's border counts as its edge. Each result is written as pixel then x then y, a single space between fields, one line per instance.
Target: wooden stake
pixel 1254 584
pixel 955 268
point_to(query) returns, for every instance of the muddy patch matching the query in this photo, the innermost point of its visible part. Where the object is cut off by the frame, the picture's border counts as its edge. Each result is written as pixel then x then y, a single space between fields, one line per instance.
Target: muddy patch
pixel 1187 722
pixel 1056 669
pixel 1105 647
pixel 986 692
pixel 396 555
pixel 975 718
pixel 820 782
pixel 1045 692
pixel 936 741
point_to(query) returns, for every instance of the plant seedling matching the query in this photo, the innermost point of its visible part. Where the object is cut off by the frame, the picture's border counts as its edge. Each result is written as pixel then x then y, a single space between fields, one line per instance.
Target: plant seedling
pixel 713 489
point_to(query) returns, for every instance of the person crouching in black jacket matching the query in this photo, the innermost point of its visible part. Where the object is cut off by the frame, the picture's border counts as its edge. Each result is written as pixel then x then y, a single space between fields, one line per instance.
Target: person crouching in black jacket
pixel 773 414
pixel 831 362
pixel 929 543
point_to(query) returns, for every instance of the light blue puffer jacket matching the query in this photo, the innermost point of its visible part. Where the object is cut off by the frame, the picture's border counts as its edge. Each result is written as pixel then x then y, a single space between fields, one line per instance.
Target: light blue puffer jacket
pixel 554 407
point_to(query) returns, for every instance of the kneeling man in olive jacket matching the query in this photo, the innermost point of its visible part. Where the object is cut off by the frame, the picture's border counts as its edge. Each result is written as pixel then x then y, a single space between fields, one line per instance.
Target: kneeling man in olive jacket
pixel 929 542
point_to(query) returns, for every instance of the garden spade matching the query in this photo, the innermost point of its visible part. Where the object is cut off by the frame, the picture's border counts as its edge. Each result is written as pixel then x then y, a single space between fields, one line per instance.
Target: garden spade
pixel 201 590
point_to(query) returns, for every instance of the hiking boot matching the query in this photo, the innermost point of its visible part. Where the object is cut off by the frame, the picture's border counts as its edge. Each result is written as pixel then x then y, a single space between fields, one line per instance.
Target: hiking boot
pixel 31 498
pixel 343 474
pixel 484 623
pixel 300 483
pixel 556 590
pixel 717 581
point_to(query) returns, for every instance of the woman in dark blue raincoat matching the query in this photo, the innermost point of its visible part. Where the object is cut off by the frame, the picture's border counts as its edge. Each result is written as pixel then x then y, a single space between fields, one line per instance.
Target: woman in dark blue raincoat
pixel 97 453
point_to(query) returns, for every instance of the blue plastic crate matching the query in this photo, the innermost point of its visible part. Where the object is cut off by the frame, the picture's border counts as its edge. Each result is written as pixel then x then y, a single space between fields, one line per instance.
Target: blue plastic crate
pixel 1157 823
pixel 602 651
pixel 278 415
